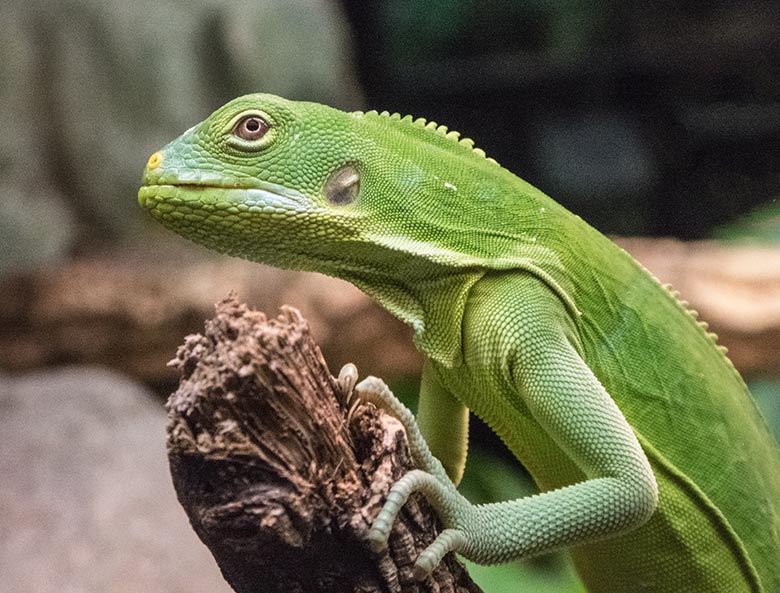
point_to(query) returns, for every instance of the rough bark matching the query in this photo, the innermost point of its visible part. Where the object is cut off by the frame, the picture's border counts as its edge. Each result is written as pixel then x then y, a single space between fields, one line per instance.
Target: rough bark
pixel 279 479
pixel 127 311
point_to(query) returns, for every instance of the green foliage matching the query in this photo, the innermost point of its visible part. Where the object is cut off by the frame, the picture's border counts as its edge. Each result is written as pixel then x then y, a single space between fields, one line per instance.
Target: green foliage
pixel 761 225
pixel 491 479
pixel 526 576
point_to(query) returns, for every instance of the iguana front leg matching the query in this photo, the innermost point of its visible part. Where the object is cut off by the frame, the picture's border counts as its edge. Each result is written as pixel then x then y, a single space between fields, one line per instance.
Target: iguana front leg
pixel 567 400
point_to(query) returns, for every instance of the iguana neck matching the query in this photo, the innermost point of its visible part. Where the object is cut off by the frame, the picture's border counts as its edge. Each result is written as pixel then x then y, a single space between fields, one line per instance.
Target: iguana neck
pixel 433 306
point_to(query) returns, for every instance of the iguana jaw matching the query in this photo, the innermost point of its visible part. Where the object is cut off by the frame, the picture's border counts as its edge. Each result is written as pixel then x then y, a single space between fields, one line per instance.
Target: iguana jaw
pixel 227 197
pixel 252 223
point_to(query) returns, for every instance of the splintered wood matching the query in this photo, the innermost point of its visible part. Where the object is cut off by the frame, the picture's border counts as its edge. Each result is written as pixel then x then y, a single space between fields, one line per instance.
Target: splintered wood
pixel 278 479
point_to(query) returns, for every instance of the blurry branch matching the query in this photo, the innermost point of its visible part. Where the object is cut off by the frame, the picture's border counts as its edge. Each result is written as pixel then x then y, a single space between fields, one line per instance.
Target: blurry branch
pixel 277 478
pixel 129 309
pixel 126 310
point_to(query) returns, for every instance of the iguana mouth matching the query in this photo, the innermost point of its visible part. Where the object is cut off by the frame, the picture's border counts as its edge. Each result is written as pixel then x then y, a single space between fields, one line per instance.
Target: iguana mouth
pixel 196 185
pixel 265 197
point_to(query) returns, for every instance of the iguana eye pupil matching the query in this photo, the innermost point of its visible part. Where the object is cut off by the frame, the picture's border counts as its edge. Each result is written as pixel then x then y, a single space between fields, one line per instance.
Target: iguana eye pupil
pixel 251 128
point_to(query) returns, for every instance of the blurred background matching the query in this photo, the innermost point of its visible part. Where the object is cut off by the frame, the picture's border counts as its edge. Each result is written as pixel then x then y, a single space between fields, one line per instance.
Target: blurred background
pixel 658 122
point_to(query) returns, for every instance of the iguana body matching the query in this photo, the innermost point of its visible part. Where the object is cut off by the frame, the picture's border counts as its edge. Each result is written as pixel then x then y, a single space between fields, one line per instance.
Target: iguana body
pixel 652 459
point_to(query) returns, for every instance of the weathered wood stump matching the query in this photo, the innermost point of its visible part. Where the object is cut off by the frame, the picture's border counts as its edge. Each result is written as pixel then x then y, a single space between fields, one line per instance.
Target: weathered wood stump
pixel 278 477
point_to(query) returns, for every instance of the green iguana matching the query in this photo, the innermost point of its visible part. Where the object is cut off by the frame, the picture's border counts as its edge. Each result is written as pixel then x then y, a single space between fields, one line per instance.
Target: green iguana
pixel 652 460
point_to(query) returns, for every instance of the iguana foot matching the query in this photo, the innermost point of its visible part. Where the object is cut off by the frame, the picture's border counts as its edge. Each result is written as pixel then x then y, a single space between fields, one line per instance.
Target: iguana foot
pixel 431 480
pixel 450 506
pixel 375 391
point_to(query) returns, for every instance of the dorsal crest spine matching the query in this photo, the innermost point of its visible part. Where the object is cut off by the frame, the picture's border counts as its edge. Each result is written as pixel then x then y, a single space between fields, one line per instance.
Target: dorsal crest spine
pixel 713 337
pixel 431 126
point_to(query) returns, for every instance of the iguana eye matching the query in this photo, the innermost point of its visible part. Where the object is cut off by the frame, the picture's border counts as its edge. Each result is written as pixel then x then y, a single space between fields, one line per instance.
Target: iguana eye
pixel 251 128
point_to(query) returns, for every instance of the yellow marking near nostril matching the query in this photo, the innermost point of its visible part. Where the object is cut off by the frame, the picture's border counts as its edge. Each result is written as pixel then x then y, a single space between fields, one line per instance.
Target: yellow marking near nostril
pixel 155 160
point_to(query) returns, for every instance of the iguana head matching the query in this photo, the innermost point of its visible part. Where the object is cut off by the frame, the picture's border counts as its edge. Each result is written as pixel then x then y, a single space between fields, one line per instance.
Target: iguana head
pixel 262 178
pixel 302 185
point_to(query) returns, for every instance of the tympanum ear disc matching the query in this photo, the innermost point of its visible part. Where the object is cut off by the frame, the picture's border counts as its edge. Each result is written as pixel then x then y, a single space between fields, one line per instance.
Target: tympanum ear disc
pixel 343 185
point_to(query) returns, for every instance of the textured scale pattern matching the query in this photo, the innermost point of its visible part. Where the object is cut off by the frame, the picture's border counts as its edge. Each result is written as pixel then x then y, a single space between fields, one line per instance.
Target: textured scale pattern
pixel 652 461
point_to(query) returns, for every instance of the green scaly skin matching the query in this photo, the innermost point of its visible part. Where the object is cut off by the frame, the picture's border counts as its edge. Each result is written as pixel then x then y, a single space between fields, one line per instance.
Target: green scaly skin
pixel 650 455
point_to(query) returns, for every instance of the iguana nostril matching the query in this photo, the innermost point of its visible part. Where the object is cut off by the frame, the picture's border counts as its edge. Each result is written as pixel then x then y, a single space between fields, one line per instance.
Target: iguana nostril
pixel 155 160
